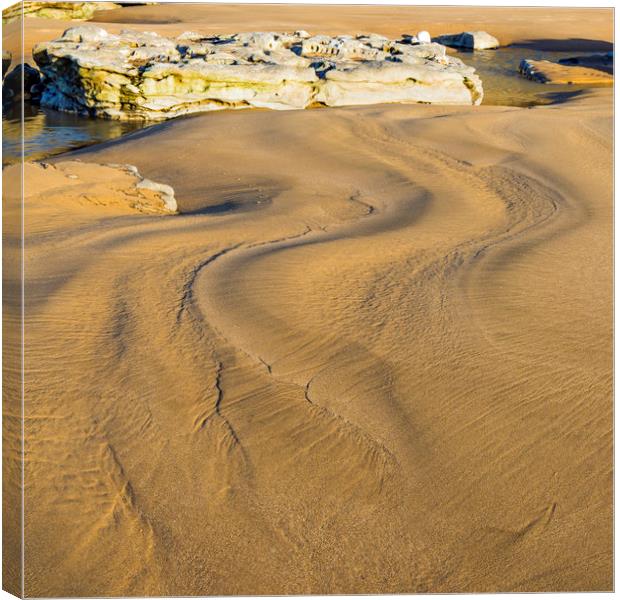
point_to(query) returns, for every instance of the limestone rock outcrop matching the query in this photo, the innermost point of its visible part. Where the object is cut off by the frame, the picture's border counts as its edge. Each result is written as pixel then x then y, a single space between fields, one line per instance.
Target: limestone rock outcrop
pixel 67 11
pixel 544 71
pixel 470 40
pixel 141 75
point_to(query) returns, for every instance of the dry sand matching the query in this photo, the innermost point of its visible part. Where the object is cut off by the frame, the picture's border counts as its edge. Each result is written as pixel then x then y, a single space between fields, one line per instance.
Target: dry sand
pixel 549 28
pixel 388 370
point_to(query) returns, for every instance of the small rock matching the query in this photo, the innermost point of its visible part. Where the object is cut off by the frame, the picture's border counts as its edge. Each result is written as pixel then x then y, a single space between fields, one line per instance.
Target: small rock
pixel 424 37
pixel 166 193
pixel 471 40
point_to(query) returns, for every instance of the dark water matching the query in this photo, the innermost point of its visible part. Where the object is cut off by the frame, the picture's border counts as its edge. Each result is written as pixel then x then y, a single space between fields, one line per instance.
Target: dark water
pixel 502 83
pixel 48 132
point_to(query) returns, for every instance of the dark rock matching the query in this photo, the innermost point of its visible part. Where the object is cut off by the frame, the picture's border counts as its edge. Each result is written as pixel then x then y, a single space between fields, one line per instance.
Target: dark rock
pixel 12 84
pixel 6 62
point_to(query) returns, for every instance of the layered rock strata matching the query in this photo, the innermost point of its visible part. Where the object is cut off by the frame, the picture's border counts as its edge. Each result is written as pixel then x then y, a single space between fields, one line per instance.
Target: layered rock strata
pixel 141 75
pixel 67 11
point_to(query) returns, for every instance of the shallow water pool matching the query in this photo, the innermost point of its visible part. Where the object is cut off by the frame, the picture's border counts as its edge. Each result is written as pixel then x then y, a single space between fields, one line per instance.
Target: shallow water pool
pixel 48 132
pixel 502 83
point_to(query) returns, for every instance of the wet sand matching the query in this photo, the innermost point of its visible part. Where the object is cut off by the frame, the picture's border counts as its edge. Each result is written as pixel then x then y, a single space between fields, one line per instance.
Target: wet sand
pixel 389 370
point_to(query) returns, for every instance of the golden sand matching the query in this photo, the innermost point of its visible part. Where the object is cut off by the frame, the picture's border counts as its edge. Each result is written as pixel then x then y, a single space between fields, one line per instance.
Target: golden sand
pixel 388 370
pixel 550 28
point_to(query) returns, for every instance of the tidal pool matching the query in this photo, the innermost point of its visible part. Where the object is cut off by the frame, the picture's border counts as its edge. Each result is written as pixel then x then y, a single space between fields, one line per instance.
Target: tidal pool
pixel 502 83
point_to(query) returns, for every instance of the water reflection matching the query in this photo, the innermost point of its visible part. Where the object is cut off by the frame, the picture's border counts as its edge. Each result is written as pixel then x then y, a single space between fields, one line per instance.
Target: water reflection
pixel 48 132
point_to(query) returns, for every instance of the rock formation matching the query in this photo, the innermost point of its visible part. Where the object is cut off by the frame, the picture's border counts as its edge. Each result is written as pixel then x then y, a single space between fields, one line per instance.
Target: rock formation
pixel 67 11
pixel 22 80
pixel 470 40
pixel 113 186
pixel 141 75
pixel 544 71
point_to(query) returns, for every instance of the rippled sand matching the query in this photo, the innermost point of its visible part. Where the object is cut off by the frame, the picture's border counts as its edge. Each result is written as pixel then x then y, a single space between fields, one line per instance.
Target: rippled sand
pixel 373 356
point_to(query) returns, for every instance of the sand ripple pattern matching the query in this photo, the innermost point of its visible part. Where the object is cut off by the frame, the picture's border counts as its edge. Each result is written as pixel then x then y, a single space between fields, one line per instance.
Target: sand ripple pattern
pixel 390 375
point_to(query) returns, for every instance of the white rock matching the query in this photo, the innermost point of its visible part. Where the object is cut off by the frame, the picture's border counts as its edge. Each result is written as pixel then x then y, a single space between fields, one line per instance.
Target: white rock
pixel 424 37
pixel 141 75
pixel 166 193
pixel 372 83
pixel 472 40
pixel 84 33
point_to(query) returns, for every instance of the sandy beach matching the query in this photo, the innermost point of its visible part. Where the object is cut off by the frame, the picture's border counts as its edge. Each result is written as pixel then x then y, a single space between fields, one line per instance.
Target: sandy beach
pixel 550 28
pixel 373 353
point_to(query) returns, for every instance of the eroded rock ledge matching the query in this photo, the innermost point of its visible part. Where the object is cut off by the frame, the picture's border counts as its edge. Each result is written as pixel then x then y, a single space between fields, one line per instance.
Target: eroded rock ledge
pixel 589 70
pixel 141 75
pixel 119 187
